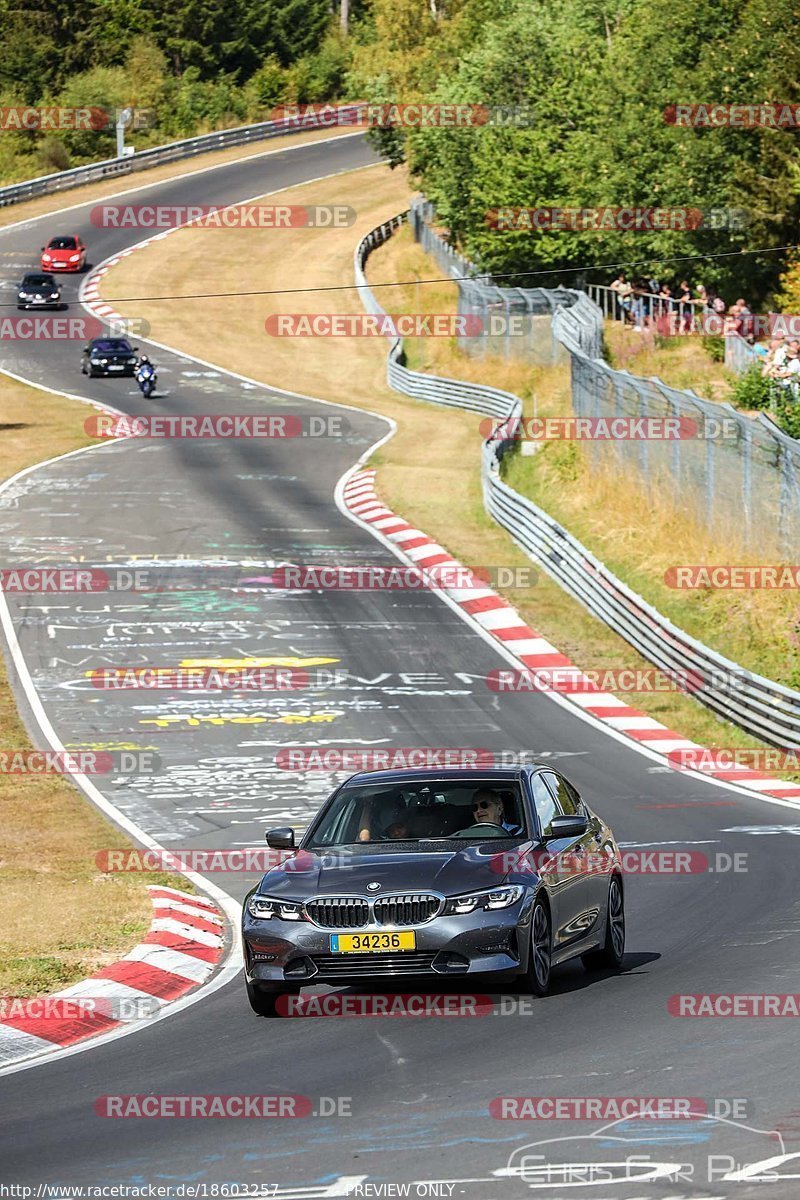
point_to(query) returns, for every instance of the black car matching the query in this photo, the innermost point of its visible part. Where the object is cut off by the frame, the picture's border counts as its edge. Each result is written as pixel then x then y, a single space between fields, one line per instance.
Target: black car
pixel 497 874
pixel 108 356
pixel 38 291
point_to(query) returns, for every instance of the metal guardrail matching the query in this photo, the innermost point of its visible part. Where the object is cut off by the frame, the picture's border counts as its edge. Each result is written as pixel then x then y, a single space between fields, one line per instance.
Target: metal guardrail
pixel 765 709
pixel 172 152
pixel 739 477
pixel 455 393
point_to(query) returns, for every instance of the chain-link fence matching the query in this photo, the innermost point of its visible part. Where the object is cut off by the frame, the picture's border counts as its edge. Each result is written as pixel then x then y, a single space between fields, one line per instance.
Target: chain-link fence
pixel 765 709
pixel 516 321
pixel 738 476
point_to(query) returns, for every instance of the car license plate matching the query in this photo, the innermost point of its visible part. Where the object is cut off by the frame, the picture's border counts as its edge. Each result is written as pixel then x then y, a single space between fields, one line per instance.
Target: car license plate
pixel 370 943
pixel 115 366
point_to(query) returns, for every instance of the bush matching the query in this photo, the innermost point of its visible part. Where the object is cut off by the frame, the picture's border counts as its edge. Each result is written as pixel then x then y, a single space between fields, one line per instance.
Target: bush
pixel 753 390
pixel 714 345
pixel 786 411
pixel 52 155
pixel 268 87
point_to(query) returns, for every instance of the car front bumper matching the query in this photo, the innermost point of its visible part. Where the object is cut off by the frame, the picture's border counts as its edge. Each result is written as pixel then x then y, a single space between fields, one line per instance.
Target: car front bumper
pixel 297 953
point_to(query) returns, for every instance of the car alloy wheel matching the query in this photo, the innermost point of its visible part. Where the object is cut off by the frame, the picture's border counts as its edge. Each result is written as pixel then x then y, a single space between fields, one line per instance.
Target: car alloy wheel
pixel 611 954
pixel 537 979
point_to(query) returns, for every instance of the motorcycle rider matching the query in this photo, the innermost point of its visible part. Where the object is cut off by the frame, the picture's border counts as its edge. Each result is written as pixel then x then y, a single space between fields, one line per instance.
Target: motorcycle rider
pixel 146 370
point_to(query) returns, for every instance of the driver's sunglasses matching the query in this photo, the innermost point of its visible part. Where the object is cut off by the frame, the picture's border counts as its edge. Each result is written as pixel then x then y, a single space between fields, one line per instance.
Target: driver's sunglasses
pixel 482 804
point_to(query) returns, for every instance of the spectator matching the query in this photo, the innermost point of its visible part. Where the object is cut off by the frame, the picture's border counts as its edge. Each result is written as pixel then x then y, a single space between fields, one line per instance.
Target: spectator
pixel 788 375
pixel 776 356
pixel 665 306
pixel 624 293
pixel 641 304
pixel 686 308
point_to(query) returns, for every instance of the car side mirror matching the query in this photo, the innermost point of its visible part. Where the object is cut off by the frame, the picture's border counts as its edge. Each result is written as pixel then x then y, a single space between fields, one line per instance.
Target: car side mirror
pixel 567 827
pixel 134 349
pixel 41 247
pixel 280 839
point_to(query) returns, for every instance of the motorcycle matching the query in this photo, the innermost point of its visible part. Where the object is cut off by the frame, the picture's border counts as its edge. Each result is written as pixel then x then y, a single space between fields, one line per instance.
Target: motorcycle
pixel 147 379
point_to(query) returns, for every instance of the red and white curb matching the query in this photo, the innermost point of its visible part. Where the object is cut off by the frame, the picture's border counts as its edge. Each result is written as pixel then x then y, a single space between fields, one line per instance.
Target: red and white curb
pixel 502 622
pixel 90 291
pixel 181 951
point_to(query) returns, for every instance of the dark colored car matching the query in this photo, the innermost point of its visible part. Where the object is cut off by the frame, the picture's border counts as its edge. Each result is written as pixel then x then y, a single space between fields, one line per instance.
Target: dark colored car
pixel 495 874
pixel 108 356
pixel 38 291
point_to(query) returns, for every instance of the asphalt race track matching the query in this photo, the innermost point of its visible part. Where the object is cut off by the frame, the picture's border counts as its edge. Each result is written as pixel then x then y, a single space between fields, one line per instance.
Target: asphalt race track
pixel 410 1098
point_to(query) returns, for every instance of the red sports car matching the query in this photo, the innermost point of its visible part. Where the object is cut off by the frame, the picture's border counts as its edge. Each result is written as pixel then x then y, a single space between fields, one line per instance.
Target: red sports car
pixel 64 253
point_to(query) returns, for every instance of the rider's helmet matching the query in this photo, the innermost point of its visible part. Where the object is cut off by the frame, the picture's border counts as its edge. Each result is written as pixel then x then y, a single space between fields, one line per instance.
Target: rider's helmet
pixel 144 359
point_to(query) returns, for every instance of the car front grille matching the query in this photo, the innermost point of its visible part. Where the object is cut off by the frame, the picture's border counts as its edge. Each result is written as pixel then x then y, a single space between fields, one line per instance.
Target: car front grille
pixel 354 912
pixel 337 966
pixel 339 912
pixel 412 909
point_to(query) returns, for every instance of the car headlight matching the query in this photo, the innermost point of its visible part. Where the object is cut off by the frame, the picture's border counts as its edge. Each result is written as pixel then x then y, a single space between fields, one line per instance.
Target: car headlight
pixel 54 295
pixel 25 296
pixel 74 257
pixel 264 908
pixel 47 256
pixel 502 897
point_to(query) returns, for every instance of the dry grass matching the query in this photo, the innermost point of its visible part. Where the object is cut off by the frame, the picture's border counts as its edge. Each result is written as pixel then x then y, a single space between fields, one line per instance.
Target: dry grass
pixel 680 362
pixel 60 917
pixel 430 470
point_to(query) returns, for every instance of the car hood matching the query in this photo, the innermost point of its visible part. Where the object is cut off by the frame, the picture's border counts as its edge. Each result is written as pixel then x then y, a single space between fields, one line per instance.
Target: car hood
pixel 461 869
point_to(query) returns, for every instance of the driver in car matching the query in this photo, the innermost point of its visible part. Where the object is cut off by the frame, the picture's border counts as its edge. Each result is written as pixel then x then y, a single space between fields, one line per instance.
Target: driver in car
pixel 488 809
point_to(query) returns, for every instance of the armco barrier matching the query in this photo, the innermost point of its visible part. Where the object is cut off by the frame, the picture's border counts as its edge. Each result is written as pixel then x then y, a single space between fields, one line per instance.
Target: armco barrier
pixel 765 709
pixel 243 135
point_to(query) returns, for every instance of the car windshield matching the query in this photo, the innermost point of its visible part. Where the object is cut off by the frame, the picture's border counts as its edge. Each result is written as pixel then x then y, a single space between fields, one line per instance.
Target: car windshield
pixel 62 243
pixel 460 810
pixel 113 346
pixel 42 281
